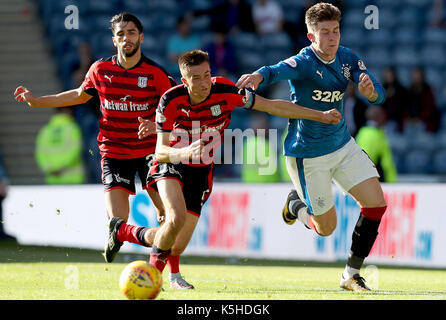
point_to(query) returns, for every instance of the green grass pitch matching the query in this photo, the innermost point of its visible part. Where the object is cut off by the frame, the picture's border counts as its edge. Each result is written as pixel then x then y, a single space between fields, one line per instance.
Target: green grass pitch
pixel 46 273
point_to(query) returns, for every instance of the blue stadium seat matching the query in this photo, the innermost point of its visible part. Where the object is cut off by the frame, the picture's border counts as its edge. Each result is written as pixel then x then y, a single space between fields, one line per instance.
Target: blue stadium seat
pixel 423 141
pixel 134 6
pixel 398 159
pixel 391 127
pixel 163 20
pixel 66 42
pixel 440 138
pixel 413 129
pixel 434 36
pixel 147 24
pixel 68 62
pixel 434 77
pixel 406 36
pixel 388 4
pixel 443 121
pixel 109 7
pixel 378 38
pixel 439 161
pixel 387 19
pixel 151 46
pixel 272 56
pixel 201 24
pixel 433 55
pixel 102 45
pixel 376 57
pixel 169 5
pixel 409 16
pixel 404 74
pixel 441 103
pixel 354 18
pixel 249 60
pixel 99 23
pixel 292 10
pixel 57 25
pixel 420 4
pixel 353 37
pixel 418 162
pixel 405 56
pixel 398 142
pixel 357 4
pixel 245 40
pixel 279 41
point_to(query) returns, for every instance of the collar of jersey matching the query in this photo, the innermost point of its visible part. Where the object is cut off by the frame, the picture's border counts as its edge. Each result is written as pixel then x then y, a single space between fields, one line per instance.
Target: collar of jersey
pixel 322 60
pixel 115 58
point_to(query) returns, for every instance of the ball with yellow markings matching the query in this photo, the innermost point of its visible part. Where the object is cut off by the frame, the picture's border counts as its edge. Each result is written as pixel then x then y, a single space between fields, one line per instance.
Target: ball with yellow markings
pixel 140 281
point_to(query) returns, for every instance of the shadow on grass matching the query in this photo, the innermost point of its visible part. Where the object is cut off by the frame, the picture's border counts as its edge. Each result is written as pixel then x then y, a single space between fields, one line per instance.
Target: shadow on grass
pixel 12 252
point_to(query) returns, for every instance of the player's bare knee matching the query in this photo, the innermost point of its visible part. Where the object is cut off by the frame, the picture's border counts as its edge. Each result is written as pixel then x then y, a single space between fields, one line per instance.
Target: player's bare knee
pixel 176 221
pixel 327 228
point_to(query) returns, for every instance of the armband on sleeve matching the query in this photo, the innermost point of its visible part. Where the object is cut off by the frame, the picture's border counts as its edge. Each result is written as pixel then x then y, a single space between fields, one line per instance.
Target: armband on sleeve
pixel 248 99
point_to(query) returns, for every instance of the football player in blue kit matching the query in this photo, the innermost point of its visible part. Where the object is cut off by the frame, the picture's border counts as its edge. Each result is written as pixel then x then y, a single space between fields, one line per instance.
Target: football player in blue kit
pixel 317 153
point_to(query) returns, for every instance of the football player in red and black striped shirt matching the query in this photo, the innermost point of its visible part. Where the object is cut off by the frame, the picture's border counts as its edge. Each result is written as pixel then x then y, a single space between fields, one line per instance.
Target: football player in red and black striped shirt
pixel 190 121
pixel 129 86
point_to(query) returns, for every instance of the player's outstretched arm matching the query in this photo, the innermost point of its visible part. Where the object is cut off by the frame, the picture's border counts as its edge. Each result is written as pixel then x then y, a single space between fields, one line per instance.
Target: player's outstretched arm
pixel 165 153
pixel 287 109
pixel 251 81
pixel 63 99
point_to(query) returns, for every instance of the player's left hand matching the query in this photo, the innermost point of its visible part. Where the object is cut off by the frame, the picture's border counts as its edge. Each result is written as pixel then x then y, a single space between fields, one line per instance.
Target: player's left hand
pixel 146 128
pixel 332 116
pixel 365 86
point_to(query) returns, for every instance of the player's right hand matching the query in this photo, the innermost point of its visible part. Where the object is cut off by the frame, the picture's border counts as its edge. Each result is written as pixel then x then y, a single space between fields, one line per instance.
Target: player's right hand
pixel 23 94
pixel 332 116
pixel 251 80
pixel 196 150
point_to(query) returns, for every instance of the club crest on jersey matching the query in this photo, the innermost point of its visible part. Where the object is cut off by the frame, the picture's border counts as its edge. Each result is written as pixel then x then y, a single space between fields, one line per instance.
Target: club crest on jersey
pixel 142 82
pixel 159 117
pixel 216 110
pixel 346 70
pixel 291 62
pixel 361 65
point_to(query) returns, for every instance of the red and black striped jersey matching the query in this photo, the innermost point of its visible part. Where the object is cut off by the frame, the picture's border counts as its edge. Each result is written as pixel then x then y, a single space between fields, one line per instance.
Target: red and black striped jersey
pixel 206 120
pixel 125 95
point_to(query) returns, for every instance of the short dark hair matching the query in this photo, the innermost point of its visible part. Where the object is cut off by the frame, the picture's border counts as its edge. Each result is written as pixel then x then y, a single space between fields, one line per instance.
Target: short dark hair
pixel 125 17
pixel 192 58
pixel 321 12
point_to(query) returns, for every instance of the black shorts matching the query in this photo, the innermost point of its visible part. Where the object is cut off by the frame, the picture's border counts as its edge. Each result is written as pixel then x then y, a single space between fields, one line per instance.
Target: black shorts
pixel 121 173
pixel 196 182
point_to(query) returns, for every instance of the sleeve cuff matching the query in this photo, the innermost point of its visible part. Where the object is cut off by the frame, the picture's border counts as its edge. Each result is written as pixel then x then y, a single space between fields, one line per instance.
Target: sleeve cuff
pixel 249 98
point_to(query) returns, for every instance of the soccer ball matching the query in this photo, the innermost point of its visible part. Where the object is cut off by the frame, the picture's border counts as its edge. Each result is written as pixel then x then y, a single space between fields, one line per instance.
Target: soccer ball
pixel 140 280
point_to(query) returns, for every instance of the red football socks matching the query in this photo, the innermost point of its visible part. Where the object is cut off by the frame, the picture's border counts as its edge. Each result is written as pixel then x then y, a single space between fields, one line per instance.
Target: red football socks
pixel 130 233
pixel 158 258
pixel 174 264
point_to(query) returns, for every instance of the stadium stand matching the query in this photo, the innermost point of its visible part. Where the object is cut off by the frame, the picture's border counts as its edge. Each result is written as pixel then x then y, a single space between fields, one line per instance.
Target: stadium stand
pixel 404 40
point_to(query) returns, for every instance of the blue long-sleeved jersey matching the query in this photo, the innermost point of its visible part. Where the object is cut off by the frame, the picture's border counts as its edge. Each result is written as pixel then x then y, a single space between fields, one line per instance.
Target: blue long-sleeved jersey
pixel 320 85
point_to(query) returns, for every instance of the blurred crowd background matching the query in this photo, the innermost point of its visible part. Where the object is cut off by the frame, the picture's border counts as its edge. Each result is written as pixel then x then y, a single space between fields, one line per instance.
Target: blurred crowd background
pixel 407 53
